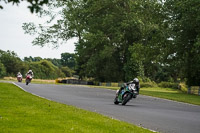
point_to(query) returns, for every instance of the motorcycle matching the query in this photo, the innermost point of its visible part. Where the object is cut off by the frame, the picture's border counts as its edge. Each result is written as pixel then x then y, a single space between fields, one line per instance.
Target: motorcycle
pixel 126 94
pixel 28 79
pixel 19 78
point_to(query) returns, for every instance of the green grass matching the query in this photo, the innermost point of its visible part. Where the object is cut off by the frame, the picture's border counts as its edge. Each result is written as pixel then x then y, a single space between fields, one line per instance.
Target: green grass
pixel 37 81
pixel 22 112
pixel 171 94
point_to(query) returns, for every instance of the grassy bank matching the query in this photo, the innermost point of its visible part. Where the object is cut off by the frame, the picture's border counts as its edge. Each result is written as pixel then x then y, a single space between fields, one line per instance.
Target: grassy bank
pixel 171 94
pixel 23 112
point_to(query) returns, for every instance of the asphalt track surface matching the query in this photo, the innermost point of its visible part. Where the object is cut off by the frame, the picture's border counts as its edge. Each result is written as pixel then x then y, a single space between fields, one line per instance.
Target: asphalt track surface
pixel 153 113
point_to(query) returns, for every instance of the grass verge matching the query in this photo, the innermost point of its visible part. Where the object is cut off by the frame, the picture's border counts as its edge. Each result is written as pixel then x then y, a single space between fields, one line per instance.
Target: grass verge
pixel 23 112
pixel 171 94
pixel 37 81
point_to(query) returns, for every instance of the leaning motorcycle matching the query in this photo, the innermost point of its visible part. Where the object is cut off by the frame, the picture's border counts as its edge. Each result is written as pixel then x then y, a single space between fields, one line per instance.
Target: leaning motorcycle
pixel 19 78
pixel 126 94
pixel 28 79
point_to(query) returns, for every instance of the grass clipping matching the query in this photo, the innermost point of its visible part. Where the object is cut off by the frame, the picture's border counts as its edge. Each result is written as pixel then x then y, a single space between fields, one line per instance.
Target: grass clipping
pixel 23 112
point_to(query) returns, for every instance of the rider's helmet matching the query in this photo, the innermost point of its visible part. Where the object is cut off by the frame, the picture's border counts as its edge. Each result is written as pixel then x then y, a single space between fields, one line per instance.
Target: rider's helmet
pixel 30 72
pixel 136 81
pixel 18 73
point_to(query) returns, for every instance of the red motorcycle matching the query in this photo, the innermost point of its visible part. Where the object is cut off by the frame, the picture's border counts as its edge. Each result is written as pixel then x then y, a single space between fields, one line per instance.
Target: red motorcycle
pixel 19 78
pixel 28 79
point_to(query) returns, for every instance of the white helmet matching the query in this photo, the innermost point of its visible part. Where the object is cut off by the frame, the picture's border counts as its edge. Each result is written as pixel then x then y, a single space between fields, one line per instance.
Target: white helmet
pixel 30 71
pixel 136 80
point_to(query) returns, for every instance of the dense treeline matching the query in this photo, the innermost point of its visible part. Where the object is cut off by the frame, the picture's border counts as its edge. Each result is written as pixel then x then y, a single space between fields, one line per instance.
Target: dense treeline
pixel 11 64
pixel 122 39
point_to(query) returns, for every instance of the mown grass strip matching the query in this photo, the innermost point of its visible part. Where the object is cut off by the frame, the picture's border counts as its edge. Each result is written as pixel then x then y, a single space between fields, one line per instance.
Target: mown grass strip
pixel 171 94
pixel 23 112
pixel 37 81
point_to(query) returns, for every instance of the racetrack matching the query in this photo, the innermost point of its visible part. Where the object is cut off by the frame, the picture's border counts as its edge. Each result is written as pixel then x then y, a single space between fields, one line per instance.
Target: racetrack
pixel 153 113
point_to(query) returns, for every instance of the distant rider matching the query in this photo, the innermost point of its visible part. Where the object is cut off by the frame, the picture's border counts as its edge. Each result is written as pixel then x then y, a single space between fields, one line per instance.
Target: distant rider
pixel 137 85
pixel 19 74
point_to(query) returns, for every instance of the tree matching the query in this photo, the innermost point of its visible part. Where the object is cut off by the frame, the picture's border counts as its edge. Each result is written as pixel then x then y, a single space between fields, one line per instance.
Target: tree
pixel 56 62
pixel 2 70
pixel 45 70
pixel 68 59
pixel 32 59
pixel 119 40
pixel 28 59
pixel 106 30
pixel 184 24
pixel 34 7
pixel 11 61
pixel 67 71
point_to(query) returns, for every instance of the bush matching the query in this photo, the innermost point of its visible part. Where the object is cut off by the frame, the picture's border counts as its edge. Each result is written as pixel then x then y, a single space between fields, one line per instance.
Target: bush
pixel 147 84
pixel 114 84
pixel 58 81
pixel 67 71
pixel 168 85
pixel 45 70
pixel 183 87
pixel 144 79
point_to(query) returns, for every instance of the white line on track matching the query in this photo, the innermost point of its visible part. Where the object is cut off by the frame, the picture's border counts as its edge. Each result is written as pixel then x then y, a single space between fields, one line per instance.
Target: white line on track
pixel 30 92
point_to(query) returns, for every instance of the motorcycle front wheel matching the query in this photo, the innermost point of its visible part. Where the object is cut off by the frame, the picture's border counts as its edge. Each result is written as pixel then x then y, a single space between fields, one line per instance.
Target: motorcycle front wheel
pixel 27 81
pixel 126 98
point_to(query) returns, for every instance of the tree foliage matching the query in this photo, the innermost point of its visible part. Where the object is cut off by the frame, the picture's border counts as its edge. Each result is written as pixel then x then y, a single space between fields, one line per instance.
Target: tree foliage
pixel 11 64
pixel 68 59
pixel 119 40
pixel 45 70
pixel 67 71
pixel 184 24
pixel 35 5
pixel 32 59
pixel 2 70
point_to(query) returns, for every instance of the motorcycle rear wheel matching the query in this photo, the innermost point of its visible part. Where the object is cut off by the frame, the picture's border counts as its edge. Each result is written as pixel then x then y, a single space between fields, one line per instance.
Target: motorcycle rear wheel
pixel 116 101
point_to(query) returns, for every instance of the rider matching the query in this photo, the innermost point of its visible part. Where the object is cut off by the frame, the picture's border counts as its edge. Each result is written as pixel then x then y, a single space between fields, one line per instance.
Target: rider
pixel 30 72
pixel 135 81
pixel 19 74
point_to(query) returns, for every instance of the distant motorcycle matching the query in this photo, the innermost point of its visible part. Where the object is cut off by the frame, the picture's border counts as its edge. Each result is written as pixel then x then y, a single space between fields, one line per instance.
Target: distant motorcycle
pixel 28 79
pixel 19 78
pixel 126 94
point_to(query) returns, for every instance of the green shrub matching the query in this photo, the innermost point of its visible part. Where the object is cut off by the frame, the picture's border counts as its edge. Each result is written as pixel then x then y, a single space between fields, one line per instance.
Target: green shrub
pixel 67 71
pixel 183 87
pixel 168 85
pixel 45 70
pixel 144 79
pixel 114 84
pixel 148 84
